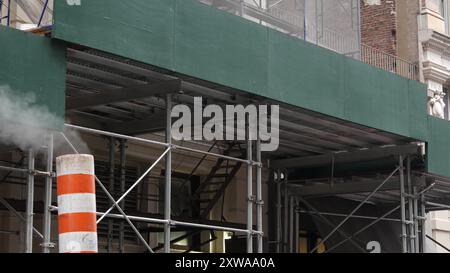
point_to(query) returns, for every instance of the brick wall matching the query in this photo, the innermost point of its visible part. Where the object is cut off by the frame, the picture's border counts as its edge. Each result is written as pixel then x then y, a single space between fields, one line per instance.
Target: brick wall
pixel 379 25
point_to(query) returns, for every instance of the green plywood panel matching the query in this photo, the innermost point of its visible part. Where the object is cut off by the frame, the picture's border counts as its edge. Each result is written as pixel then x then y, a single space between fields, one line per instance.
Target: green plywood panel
pixel 137 29
pixel 220 47
pixel 438 153
pixel 376 98
pixel 418 121
pixel 33 64
pixel 305 75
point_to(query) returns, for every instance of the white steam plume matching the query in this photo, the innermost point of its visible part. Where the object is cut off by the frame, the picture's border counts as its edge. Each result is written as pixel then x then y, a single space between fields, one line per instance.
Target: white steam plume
pixel 25 124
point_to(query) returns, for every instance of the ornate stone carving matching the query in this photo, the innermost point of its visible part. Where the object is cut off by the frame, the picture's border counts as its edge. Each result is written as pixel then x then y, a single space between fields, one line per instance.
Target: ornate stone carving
pixel 437 104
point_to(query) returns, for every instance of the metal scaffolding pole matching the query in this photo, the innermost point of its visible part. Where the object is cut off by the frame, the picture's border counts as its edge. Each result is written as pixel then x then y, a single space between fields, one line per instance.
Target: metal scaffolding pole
pixel 148 141
pixel 285 217
pixel 412 247
pixel 402 205
pixel 47 244
pixel 423 216
pixel 278 207
pixel 291 224
pixel 416 221
pixel 250 197
pixel 168 185
pixel 30 203
pixel 122 191
pixel 259 198
pixel 111 190
pixel 296 227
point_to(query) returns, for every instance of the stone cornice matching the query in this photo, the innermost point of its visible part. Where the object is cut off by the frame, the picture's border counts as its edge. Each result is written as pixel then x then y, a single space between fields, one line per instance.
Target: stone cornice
pixel 436 72
pixel 436 41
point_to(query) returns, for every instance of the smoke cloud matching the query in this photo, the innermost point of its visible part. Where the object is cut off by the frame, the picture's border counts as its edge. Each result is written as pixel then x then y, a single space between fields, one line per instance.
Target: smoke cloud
pixel 25 124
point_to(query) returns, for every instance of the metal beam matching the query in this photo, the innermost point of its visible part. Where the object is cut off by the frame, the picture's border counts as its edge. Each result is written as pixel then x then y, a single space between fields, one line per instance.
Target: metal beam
pixel 293 126
pixel 366 134
pixel 124 94
pixel 339 158
pixel 152 124
pixel 342 188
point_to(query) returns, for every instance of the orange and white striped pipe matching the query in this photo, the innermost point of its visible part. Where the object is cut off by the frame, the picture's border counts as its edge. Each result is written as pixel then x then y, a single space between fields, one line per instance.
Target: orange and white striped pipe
pixel 76 204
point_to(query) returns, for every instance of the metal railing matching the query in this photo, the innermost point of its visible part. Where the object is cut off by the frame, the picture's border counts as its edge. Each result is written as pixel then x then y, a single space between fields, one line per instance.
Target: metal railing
pixel 389 62
pixel 288 16
pixel 347 45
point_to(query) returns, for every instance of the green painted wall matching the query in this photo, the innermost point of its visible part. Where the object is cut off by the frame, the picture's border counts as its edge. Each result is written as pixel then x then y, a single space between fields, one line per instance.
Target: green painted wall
pixel 190 38
pixel 34 64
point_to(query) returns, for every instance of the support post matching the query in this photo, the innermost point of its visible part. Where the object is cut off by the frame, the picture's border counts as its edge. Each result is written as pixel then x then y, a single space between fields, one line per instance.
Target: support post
pixel 285 217
pixel 168 185
pixel 291 224
pixel 122 191
pixel 259 198
pixel 47 245
pixel 30 203
pixel 278 206
pixel 111 190
pixel 416 221
pixel 296 227
pixel 423 230
pixel 412 247
pixel 249 195
pixel 402 205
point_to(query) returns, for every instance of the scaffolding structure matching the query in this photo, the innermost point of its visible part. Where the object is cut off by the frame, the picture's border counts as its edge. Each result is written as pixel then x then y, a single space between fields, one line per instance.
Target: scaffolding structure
pixel 411 202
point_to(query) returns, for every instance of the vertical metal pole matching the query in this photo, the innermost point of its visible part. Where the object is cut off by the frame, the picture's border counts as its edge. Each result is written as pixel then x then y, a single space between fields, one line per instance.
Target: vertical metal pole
pixel 291 224
pixel 402 205
pixel 30 203
pixel 8 20
pixel 259 198
pixel 249 194
pixel 286 218
pixel 111 190
pixel 1 12
pixel 423 215
pixel 412 247
pixel 278 227
pixel 48 196
pixel 122 191
pixel 168 185
pixel 416 221
pixel 296 227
